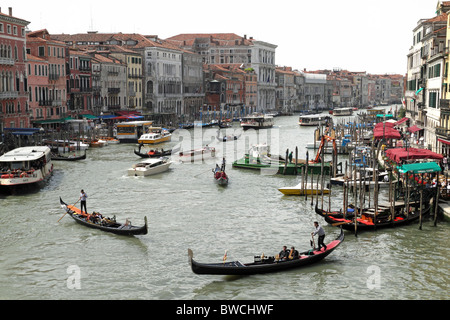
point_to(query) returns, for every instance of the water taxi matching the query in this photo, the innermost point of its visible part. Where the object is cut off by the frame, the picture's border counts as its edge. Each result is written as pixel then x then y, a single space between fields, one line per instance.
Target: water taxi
pixel 157 135
pixel 149 167
pixel 195 155
pixel 25 166
pixel 313 120
pixel 129 132
pixel 257 121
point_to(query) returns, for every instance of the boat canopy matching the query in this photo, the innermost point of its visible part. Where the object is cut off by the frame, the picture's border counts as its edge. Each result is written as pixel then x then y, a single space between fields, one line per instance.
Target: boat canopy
pixel 415 168
pixel 402 154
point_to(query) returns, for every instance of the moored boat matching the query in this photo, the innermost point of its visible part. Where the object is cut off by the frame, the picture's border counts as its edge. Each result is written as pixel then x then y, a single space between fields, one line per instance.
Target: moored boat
pixel 25 166
pixel 264 264
pixel 303 189
pixel 383 219
pixel 97 221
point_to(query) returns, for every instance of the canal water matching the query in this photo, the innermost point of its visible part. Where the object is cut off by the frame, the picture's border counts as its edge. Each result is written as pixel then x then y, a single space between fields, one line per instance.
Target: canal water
pixel 41 258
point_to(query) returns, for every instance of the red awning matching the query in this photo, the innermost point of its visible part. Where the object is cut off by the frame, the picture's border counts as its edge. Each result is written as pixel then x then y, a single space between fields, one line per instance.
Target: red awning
pixel 382 125
pixel 401 154
pixel 387 133
pixel 401 121
pixel 414 129
pixel 444 141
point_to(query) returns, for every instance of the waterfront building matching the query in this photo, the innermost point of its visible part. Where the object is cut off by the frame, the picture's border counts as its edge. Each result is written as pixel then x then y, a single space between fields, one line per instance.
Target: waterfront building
pixel 47 72
pixel 286 98
pixel 443 129
pixel 226 93
pixel 135 75
pixel 434 42
pixel 229 48
pixel 79 82
pixel 14 108
pixel 193 86
pixel 110 83
pixel 318 92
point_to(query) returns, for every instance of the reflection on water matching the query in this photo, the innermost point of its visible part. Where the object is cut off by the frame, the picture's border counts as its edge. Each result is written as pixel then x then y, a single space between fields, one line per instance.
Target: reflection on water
pixel 186 209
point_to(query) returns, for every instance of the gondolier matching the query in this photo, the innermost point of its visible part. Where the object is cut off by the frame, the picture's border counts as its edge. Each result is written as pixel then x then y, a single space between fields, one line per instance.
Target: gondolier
pixel 83 197
pixel 319 230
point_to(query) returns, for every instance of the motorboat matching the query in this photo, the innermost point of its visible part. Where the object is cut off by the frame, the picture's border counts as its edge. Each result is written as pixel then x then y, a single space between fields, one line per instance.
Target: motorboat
pixel 303 189
pixel 156 136
pixel 149 167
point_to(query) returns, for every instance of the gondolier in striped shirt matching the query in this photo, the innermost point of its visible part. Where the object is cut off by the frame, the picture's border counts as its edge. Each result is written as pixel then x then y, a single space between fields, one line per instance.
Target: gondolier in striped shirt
pixel 319 230
pixel 83 197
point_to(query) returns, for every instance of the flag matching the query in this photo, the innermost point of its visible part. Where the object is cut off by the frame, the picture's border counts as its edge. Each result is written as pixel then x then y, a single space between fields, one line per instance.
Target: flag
pixel 225 256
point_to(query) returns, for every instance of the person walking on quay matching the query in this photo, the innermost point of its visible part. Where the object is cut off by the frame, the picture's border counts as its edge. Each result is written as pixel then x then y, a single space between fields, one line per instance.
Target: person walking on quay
pixel 83 197
pixel 319 230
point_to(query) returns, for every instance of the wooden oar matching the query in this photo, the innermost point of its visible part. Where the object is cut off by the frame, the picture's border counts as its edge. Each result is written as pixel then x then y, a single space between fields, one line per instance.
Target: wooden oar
pixel 339 223
pixel 313 244
pixel 69 209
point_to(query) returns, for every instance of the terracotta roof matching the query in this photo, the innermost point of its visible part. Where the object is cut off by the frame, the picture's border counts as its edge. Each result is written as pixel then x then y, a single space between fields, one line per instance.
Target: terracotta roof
pixel 441 17
pixel 217 39
pixel 22 21
pixel 30 57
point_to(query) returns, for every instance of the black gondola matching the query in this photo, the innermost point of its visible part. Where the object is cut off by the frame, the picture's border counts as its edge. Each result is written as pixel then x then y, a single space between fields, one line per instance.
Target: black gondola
pixel 384 220
pixel 59 157
pixel 155 153
pixel 261 264
pixel 231 137
pixel 107 225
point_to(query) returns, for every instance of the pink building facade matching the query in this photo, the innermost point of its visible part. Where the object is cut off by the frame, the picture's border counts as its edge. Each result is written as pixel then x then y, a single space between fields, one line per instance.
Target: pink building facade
pixel 14 109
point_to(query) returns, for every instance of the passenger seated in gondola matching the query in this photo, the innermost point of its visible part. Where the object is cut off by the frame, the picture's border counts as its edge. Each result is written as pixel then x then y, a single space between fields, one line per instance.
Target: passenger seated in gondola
pixel 284 253
pixel 293 254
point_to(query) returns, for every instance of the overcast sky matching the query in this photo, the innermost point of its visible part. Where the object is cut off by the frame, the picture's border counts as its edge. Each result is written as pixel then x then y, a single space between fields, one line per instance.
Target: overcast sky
pixel 357 35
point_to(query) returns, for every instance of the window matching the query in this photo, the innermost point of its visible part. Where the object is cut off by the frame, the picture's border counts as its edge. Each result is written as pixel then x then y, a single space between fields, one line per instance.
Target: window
pixel 433 99
pixel 41 51
pixel 1 28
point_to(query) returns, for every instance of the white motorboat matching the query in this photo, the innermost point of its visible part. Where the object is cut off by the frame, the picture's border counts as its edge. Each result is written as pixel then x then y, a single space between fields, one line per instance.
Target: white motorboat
pixel 149 167
pixel 156 136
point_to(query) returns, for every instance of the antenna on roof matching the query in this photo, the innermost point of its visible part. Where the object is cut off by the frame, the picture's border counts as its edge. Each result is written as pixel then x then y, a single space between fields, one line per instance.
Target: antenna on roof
pixel 91 27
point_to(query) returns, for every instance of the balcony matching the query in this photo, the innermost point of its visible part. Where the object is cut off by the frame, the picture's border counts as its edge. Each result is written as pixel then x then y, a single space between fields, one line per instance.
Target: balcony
pixel 114 90
pixel 53 76
pixel 7 61
pixel 443 133
pixel 45 103
pixel 9 95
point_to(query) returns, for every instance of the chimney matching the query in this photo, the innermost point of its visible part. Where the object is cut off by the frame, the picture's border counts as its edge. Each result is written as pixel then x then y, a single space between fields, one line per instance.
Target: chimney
pixel 10 11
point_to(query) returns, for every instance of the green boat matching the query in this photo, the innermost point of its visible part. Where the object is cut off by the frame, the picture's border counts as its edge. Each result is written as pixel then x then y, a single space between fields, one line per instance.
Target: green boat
pixel 259 158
